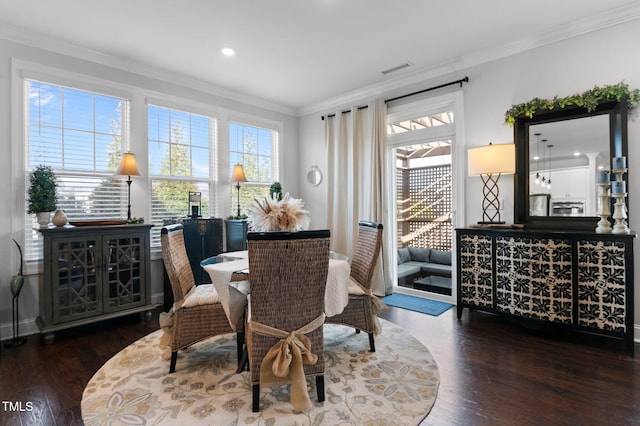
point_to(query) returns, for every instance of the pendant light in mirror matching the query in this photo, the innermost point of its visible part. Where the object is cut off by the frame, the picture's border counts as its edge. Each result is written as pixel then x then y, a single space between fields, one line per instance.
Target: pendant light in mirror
pixel 549 169
pixel 537 158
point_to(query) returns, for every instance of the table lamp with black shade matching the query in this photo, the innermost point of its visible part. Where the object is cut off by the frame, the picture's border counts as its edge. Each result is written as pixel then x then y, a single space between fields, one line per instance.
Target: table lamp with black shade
pixel 128 167
pixel 237 176
pixel 490 162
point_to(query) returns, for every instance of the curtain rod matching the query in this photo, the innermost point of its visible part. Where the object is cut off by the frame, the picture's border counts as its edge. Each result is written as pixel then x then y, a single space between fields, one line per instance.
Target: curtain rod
pixel 451 83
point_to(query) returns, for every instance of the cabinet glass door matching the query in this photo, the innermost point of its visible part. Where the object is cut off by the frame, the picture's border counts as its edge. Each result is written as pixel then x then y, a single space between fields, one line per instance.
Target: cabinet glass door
pixel 75 273
pixel 124 272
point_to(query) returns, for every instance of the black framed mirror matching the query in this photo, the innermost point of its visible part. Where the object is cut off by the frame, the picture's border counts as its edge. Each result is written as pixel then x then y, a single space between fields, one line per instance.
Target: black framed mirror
pixel 572 121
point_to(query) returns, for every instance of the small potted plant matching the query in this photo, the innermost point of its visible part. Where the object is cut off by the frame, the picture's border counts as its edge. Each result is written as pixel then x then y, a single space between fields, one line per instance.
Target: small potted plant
pixel 275 191
pixel 42 194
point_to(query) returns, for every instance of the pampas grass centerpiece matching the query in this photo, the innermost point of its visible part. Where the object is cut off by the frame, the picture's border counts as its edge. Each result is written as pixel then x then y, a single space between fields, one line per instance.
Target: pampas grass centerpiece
pixel 271 214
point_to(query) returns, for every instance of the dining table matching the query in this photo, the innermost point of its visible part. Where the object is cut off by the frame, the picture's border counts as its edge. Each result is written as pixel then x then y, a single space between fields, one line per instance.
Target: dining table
pixel 227 269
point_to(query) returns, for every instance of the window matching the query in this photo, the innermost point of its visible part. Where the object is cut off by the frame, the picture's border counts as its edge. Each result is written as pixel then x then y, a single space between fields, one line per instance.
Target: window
pixel 80 135
pixel 256 149
pixel 180 147
pixel 428 121
pixel 423 149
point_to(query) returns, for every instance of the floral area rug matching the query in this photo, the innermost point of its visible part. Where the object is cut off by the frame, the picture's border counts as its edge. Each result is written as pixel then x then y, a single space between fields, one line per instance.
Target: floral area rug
pixel 396 385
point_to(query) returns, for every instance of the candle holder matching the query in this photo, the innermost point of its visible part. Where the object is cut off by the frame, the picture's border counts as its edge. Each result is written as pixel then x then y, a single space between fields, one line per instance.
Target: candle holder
pixel 618 173
pixel 619 177
pixel 619 163
pixel 604 208
pixel 620 215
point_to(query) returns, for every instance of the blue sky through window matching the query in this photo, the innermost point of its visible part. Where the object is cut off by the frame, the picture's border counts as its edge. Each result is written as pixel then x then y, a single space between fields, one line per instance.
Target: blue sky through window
pixel 177 133
pixel 72 129
pixel 253 148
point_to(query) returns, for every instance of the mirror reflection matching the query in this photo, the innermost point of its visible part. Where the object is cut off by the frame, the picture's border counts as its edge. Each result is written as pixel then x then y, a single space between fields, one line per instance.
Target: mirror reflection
pixel 564 158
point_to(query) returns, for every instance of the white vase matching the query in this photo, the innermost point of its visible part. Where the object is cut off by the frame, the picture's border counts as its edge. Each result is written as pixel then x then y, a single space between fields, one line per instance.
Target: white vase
pixel 43 219
pixel 59 219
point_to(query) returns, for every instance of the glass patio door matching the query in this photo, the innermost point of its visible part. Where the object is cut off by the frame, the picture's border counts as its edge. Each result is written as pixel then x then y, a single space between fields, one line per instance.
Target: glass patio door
pixel 422 148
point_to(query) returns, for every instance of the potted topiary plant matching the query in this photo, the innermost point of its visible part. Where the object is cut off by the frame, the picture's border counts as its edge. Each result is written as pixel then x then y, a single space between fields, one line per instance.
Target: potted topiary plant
pixel 42 194
pixel 276 189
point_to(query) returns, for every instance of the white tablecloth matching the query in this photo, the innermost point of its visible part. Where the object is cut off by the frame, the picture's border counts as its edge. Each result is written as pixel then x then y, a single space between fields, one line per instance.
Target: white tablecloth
pixel 336 293
pixel 234 255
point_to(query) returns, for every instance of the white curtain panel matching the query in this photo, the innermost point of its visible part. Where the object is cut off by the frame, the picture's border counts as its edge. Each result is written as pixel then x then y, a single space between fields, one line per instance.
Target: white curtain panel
pixel 357 181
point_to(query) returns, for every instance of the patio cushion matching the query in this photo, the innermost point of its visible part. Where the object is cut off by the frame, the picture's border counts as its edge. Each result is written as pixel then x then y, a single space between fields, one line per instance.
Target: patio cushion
pixel 403 255
pixel 441 257
pixel 419 254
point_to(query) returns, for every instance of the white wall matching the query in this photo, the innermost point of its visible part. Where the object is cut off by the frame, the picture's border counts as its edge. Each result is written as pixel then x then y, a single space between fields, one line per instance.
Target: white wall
pixel 607 56
pixel 138 82
pixel 313 152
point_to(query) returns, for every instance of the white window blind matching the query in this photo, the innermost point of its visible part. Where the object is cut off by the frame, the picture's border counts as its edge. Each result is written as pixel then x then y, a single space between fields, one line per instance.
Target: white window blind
pixel 256 149
pixel 180 161
pixel 79 134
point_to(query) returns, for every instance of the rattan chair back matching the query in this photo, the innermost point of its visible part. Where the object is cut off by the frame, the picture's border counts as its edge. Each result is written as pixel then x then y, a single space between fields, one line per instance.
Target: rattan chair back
pixel 366 252
pixel 185 326
pixel 176 261
pixel 288 276
pixel 362 310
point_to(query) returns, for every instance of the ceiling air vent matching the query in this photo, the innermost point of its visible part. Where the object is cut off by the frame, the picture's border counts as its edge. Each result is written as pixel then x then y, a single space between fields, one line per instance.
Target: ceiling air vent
pixel 397 68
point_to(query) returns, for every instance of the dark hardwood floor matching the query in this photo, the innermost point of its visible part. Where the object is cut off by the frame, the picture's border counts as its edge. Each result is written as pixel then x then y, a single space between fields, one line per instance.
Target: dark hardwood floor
pixel 492 372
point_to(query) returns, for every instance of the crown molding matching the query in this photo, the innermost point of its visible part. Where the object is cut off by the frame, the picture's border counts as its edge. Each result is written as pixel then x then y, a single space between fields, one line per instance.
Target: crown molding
pixel 361 96
pixel 557 33
pixel 39 41
pixel 613 17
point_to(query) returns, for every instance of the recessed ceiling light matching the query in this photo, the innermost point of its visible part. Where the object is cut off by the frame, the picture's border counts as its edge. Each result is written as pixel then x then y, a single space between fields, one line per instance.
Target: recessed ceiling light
pixel 536 158
pixel 577 154
pixel 227 51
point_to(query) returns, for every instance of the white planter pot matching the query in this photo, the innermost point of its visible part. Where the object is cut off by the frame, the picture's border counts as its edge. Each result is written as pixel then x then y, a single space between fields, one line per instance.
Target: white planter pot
pixel 43 219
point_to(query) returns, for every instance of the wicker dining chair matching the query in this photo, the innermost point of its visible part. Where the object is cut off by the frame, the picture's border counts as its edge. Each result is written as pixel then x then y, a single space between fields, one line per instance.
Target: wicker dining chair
pixel 288 276
pixel 189 325
pixel 363 308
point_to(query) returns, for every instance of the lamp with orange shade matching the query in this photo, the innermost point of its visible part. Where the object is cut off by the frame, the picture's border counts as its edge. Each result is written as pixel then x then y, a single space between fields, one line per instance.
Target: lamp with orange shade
pixel 128 167
pixel 237 176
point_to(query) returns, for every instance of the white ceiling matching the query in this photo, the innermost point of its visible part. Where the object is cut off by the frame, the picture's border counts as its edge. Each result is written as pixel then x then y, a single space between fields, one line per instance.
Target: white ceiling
pixel 301 53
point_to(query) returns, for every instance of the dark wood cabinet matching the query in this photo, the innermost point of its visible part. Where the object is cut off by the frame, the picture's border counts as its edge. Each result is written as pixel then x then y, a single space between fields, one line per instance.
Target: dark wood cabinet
pixel 92 273
pixel 577 280
pixel 236 231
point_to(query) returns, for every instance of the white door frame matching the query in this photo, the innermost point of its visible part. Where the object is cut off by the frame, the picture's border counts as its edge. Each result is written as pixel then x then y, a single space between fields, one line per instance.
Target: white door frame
pixel 454 102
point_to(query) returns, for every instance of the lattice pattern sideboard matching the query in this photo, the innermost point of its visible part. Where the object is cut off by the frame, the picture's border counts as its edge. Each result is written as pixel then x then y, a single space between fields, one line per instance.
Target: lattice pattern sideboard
pixel 577 280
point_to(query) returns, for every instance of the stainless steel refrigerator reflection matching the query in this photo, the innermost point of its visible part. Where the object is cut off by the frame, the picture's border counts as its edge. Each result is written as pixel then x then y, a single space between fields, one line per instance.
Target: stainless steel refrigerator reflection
pixel 567 208
pixel 539 204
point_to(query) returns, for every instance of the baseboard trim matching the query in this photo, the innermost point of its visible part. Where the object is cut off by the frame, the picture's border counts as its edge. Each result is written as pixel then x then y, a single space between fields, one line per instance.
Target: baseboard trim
pixel 28 327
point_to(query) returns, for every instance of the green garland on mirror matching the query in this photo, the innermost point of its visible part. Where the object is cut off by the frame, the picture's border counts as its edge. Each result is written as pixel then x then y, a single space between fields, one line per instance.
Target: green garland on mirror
pixel 589 100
